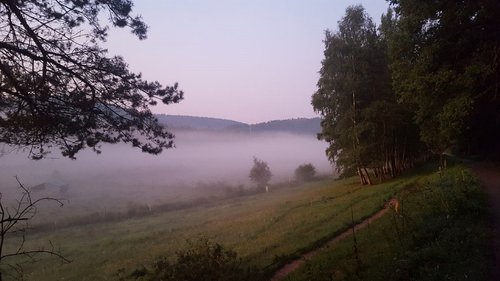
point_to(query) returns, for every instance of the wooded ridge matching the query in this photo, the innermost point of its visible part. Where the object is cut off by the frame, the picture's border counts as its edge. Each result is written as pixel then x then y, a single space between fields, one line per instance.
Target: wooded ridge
pixel 308 126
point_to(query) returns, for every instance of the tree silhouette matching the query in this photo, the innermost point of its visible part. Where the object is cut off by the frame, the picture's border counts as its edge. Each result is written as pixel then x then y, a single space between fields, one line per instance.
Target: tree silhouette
pixel 59 88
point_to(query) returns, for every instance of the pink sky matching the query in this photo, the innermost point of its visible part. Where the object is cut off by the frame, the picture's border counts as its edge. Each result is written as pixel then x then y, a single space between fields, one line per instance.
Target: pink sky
pixel 245 60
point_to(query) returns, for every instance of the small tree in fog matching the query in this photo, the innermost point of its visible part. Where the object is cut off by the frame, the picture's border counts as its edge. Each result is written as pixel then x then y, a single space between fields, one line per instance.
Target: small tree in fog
pixel 260 173
pixel 305 172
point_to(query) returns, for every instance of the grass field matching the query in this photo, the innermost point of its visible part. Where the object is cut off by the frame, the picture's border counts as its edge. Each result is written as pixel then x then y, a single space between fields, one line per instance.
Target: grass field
pixel 440 232
pixel 264 229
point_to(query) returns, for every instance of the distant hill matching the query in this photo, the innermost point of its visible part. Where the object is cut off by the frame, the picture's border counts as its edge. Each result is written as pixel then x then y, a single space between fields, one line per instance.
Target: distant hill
pixel 195 123
pixel 310 126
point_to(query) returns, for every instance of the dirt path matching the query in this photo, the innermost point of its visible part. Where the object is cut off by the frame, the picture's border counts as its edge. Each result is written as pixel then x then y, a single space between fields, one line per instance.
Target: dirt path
pixel 489 174
pixel 293 265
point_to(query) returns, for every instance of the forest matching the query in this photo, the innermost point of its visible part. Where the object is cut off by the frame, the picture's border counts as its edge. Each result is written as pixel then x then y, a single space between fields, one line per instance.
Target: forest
pixel 422 84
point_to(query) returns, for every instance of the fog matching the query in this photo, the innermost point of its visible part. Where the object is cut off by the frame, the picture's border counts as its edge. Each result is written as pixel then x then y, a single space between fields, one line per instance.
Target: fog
pixel 200 163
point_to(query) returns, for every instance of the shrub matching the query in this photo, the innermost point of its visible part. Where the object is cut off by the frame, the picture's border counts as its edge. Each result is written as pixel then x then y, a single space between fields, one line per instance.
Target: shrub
pixel 305 172
pixel 203 260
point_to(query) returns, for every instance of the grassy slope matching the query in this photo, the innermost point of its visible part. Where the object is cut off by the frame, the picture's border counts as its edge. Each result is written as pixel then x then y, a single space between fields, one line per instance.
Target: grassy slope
pixel 439 233
pixel 285 222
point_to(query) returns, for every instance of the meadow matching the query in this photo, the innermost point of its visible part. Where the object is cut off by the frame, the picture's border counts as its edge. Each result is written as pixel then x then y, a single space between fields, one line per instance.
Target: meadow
pixel 266 230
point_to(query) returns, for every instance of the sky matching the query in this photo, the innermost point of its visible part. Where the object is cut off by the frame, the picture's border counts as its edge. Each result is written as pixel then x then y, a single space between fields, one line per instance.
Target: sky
pixel 245 60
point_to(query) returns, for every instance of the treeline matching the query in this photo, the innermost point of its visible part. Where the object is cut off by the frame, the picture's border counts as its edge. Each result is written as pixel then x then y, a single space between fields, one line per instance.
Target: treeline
pixel 422 83
pixel 307 126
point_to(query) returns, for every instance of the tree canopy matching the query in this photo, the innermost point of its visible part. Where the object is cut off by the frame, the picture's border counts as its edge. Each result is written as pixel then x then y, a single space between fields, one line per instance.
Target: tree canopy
pixel 59 88
pixel 361 120
pixel 444 56
pixel 342 87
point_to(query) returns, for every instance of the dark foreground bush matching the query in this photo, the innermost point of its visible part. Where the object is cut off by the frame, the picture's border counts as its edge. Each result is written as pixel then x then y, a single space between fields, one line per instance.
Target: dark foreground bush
pixel 203 260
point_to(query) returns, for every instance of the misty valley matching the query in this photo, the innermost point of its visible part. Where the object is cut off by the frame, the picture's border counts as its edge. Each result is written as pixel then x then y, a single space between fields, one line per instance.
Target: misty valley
pixel 204 164
pixel 366 148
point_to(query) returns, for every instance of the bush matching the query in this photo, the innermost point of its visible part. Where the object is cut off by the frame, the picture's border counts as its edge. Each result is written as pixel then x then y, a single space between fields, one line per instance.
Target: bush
pixel 305 172
pixel 203 260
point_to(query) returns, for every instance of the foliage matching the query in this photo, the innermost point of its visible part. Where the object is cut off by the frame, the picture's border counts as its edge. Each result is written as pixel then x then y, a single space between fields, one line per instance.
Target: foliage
pixel 260 173
pixel 305 172
pixel 59 88
pixel 203 260
pixel 444 56
pixel 361 119
pixel 442 60
pixel 342 85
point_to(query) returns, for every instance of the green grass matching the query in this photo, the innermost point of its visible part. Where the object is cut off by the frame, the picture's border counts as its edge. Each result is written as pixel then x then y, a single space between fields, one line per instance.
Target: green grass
pixel 265 230
pixel 439 233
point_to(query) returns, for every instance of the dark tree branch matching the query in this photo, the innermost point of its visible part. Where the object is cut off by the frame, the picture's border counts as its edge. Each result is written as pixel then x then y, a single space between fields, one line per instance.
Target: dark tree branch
pixel 31 33
pixel 59 88
pixel 23 211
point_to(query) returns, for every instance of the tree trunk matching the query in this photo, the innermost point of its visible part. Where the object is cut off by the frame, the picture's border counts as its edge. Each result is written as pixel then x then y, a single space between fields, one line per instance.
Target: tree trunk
pixel 442 162
pixel 394 158
pixel 380 175
pixel 368 179
pixel 362 176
